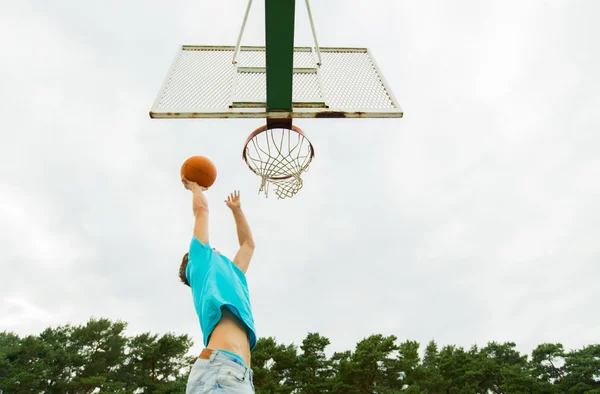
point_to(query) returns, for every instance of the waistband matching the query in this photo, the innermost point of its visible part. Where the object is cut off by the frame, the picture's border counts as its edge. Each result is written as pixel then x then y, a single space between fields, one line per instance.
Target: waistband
pixel 211 354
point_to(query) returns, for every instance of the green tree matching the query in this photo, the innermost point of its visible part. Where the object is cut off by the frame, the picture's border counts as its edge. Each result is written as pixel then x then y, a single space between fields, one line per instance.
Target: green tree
pixel 502 369
pixel 313 372
pixel 9 345
pixel 157 364
pixel 454 366
pixel 97 355
pixel 546 362
pixel 99 347
pixel 582 371
pixel 63 361
pixel 24 364
pixel 409 363
pixel 431 379
pixel 272 365
pixel 343 382
pixel 372 368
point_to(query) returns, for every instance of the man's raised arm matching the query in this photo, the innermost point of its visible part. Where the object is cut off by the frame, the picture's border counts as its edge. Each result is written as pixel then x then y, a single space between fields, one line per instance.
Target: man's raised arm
pixel 200 210
pixel 244 255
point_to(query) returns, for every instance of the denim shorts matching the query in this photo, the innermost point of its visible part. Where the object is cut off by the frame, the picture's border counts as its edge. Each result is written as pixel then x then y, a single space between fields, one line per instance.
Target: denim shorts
pixel 218 372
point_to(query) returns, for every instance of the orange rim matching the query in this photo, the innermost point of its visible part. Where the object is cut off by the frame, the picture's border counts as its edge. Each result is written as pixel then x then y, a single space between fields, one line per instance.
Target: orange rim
pixel 264 128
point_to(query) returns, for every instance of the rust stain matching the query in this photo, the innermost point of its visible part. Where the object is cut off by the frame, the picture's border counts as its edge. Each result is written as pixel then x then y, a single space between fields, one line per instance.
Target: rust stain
pixel 279 123
pixel 330 114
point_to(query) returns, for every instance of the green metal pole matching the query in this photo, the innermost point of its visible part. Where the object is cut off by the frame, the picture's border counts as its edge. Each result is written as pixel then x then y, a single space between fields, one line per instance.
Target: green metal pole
pixel 279 24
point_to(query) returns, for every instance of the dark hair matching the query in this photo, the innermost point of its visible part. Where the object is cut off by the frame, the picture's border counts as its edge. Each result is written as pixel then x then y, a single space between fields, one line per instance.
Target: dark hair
pixel 182 268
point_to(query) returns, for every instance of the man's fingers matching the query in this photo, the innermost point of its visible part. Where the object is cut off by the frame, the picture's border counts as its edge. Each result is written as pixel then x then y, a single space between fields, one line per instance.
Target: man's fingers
pixel 233 196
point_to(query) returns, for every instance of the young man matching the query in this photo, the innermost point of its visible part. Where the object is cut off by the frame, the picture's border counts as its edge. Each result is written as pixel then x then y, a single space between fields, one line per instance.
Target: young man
pixel 222 301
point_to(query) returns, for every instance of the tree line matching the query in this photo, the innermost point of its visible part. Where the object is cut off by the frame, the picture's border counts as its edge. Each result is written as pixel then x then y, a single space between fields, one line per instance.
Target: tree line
pixel 98 357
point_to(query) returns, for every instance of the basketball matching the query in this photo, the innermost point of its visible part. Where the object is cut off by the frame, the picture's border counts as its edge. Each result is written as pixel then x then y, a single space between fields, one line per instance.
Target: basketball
pixel 199 169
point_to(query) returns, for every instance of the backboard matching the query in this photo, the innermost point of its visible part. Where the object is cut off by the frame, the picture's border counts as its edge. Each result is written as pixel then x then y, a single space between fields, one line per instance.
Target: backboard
pixel 206 82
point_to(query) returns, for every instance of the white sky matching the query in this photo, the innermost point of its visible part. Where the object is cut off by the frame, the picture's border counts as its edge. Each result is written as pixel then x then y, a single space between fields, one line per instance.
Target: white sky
pixel 475 218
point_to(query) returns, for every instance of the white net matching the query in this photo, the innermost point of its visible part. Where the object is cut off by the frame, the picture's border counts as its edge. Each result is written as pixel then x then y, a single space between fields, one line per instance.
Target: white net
pixel 279 156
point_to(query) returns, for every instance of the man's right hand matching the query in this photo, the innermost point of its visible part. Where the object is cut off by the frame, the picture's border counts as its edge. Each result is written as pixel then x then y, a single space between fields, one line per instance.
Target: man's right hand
pixel 192 186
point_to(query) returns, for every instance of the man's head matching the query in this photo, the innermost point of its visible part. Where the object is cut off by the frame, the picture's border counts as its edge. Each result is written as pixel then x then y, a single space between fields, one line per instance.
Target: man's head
pixel 182 268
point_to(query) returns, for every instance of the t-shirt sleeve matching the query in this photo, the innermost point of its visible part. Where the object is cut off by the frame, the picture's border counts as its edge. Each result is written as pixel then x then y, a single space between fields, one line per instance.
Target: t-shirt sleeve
pixel 198 260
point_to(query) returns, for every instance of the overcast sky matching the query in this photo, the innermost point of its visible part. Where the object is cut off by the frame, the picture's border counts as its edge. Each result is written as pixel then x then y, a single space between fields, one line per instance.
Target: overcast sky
pixel 474 218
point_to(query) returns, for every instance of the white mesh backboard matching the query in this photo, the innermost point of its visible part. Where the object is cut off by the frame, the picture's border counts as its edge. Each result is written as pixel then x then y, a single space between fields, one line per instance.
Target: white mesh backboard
pixel 204 82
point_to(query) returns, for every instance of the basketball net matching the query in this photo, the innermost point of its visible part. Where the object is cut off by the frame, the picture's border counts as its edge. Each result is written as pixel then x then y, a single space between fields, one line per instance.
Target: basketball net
pixel 279 156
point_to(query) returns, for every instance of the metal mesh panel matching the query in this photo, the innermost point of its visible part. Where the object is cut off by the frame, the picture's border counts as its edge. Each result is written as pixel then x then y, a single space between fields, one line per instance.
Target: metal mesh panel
pixel 199 79
pixel 352 82
pixel 251 58
pixel 304 59
pixel 251 87
pixel 203 82
pixel 257 58
pixel 306 87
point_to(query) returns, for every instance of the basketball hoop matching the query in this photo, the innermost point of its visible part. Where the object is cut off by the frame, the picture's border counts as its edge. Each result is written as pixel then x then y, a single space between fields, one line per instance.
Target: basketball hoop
pixel 279 155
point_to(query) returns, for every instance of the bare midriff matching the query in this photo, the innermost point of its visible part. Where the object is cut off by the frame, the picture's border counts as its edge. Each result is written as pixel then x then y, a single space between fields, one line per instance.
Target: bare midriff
pixel 230 334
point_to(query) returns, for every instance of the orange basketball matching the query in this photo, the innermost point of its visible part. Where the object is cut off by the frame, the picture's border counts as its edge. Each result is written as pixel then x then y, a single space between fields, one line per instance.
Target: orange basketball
pixel 199 169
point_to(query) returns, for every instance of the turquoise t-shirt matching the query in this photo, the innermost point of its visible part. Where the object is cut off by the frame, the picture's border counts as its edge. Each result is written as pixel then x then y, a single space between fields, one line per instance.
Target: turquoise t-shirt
pixel 217 282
